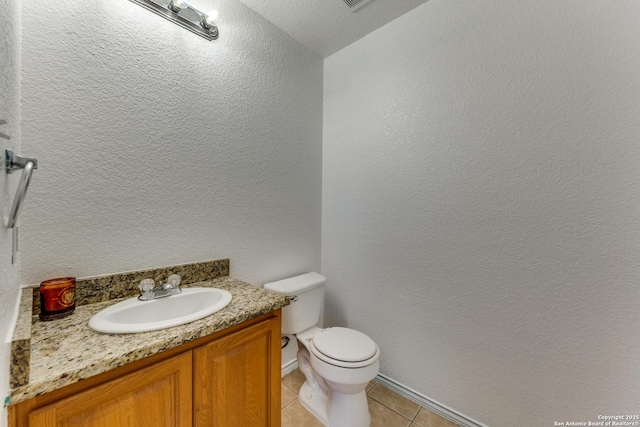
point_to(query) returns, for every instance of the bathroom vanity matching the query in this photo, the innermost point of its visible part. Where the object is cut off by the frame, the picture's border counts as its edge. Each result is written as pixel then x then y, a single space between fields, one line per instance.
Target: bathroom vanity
pixel 221 370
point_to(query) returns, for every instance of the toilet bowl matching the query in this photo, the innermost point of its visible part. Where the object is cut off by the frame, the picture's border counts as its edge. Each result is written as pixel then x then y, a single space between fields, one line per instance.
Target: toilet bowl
pixel 337 362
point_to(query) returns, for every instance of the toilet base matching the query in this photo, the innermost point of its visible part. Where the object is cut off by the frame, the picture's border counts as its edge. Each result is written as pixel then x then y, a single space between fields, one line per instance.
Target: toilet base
pixel 348 410
pixel 314 402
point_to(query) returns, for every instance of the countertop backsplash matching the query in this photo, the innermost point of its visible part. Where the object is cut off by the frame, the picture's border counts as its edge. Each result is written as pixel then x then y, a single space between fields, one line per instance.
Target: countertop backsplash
pixel 122 285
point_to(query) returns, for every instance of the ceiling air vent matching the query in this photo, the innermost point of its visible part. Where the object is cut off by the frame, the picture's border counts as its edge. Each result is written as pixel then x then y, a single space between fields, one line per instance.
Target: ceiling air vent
pixel 355 4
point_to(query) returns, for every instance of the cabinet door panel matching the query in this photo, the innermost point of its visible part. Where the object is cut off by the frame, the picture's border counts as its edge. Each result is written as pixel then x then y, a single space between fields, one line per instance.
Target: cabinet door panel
pixel 237 378
pixel 159 395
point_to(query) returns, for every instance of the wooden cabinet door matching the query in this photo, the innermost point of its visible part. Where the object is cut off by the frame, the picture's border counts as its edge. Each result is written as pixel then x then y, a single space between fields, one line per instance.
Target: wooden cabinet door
pixel 237 378
pixel 159 396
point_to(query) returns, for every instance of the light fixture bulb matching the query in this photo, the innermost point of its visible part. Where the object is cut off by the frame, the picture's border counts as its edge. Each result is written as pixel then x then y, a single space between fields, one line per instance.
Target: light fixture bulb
pixel 176 6
pixel 208 20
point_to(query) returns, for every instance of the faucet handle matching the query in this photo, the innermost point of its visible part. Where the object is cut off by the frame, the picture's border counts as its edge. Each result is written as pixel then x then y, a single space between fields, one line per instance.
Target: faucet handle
pixel 146 285
pixel 174 280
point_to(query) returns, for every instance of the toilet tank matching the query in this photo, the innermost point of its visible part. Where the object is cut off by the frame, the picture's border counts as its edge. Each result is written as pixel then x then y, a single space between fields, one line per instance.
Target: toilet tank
pixel 306 293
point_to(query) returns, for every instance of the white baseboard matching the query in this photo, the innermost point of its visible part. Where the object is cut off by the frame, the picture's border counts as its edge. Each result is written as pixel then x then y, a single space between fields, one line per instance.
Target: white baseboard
pixel 428 403
pixel 289 366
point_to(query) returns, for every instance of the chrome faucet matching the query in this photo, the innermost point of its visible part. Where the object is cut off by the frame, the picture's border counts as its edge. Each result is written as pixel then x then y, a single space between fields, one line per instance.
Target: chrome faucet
pixel 149 291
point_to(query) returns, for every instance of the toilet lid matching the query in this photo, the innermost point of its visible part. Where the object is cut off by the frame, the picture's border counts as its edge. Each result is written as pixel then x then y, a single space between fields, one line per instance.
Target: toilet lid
pixel 345 344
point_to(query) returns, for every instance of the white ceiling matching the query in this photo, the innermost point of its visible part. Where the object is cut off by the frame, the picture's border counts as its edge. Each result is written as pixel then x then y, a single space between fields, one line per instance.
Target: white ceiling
pixel 326 26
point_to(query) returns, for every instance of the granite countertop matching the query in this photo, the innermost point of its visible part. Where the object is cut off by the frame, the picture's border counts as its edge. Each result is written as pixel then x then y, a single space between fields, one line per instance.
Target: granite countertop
pixel 66 350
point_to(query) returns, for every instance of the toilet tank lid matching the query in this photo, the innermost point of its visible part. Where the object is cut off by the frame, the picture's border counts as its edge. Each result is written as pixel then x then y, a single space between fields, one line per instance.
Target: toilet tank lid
pixel 293 285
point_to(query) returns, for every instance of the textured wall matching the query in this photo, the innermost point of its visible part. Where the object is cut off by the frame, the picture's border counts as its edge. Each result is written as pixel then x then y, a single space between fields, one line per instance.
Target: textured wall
pixel 481 212
pixel 157 147
pixel 9 111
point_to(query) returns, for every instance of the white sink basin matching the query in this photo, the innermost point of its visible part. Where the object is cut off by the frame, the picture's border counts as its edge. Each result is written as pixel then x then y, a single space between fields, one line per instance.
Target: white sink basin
pixel 134 315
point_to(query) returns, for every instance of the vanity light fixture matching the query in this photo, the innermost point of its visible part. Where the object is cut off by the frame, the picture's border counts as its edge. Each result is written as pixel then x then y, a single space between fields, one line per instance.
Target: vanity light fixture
pixel 184 15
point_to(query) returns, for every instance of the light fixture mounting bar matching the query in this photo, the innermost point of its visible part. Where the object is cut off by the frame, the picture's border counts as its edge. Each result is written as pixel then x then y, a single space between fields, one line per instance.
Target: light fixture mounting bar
pixel 193 26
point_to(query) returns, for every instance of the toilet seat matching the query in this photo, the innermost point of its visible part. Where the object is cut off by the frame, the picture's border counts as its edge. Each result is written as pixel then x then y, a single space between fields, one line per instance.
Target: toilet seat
pixel 344 347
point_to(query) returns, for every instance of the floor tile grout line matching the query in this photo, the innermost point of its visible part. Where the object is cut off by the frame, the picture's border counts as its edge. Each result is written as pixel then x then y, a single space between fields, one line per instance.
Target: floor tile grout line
pixel 287 405
pixel 292 390
pixel 388 407
pixel 393 410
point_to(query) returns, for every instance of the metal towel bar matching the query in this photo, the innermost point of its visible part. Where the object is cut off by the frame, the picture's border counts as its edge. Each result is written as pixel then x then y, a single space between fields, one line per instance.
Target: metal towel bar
pixel 13 162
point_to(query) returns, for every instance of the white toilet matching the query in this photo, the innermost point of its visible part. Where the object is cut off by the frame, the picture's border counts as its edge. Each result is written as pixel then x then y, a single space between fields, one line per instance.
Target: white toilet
pixel 338 363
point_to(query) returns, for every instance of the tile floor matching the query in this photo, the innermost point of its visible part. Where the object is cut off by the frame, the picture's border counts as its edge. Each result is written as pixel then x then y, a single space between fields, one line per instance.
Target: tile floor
pixel 387 408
